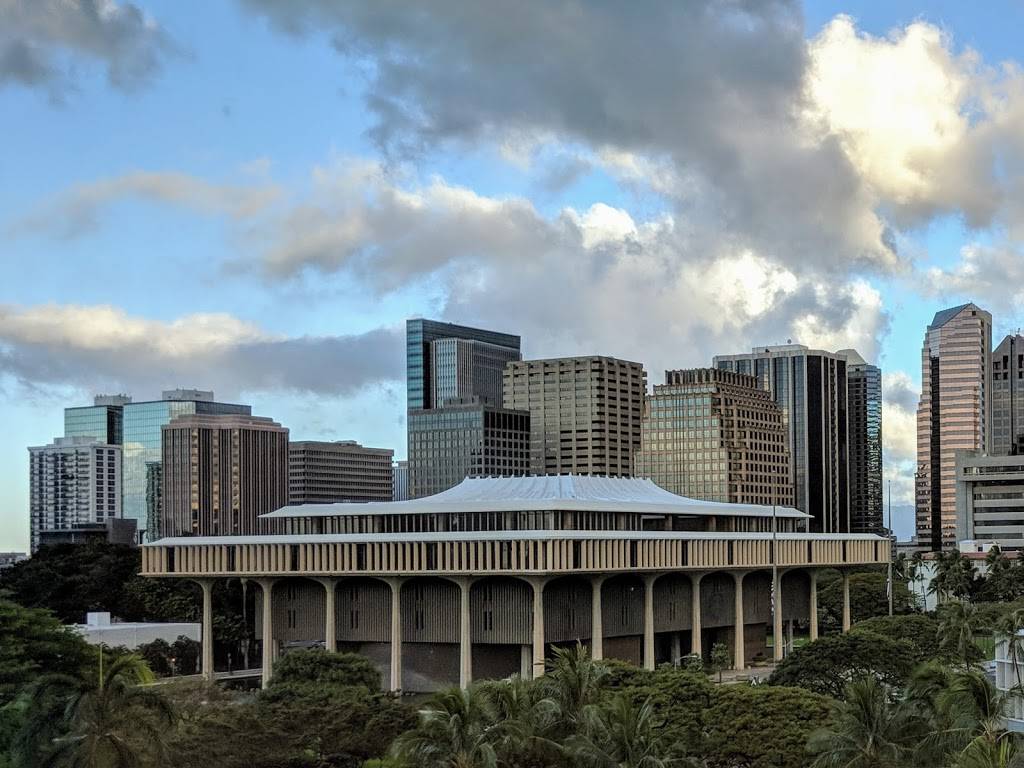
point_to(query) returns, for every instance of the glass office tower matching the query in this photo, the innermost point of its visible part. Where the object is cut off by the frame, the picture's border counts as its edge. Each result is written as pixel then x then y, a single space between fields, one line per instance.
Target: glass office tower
pixel 810 387
pixel 1008 397
pixel 954 414
pixel 141 453
pixel 445 378
pixel 864 384
pixel 101 421
pixel 419 334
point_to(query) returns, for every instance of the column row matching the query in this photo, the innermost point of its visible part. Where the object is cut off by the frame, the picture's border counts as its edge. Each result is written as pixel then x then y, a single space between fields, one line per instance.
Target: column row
pixel 538 635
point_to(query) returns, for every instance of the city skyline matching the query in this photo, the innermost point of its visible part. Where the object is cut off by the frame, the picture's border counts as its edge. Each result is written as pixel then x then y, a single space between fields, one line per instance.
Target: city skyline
pixel 271 213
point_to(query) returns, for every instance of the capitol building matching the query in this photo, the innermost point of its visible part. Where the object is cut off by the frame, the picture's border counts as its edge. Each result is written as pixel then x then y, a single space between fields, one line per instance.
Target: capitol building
pixel 482 580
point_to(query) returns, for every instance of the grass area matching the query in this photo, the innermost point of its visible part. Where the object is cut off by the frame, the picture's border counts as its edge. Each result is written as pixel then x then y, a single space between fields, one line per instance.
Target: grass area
pixel 987 643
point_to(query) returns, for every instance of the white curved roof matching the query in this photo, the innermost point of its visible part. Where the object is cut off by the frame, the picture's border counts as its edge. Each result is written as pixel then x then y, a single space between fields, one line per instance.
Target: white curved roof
pixel 543 493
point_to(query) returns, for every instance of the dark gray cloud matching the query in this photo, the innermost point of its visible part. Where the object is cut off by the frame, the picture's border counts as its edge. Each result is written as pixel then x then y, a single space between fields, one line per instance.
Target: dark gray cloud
pixel 103 348
pixel 714 86
pixel 36 36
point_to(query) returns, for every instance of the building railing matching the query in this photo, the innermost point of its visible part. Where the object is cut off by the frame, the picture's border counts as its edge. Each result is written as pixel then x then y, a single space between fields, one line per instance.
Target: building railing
pixel 532 556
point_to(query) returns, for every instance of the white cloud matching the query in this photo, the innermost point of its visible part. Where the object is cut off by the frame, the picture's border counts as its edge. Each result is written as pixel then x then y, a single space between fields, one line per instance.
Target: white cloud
pixel 898 104
pixel 106 348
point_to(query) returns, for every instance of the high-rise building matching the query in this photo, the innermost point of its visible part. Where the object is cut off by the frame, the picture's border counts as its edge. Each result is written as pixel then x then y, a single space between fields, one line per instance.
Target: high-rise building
pixel 864 395
pixel 585 413
pixel 809 385
pixel 455 367
pixel 1008 397
pixel 141 482
pixel 73 481
pixel 954 413
pixel 419 334
pixel 220 473
pixel 717 436
pixel 447 445
pixel 322 472
pixel 400 481
pixel 102 420
pixel 463 368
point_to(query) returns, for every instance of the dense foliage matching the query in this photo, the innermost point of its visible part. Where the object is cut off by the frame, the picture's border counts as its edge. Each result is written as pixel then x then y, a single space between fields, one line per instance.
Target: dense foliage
pixel 321 710
pixel 919 629
pixel 71 580
pixel 829 664
pixel 868 598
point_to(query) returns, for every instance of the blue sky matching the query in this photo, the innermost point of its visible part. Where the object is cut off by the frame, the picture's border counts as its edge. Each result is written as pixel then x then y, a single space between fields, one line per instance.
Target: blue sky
pixel 255 198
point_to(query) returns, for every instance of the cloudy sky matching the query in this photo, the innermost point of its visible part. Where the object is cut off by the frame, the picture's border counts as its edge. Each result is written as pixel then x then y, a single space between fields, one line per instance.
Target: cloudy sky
pixel 252 200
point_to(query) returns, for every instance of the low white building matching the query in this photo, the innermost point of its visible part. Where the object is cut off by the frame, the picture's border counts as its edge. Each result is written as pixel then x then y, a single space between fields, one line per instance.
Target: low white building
pixel 1010 681
pixel 100 629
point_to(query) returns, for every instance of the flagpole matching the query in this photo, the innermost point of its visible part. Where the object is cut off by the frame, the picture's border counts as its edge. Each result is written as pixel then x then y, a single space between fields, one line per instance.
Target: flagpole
pixel 891 548
pixel 775 571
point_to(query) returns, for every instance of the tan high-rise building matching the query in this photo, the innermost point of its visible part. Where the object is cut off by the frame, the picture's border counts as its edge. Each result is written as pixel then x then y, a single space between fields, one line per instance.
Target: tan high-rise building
pixel 954 413
pixel 321 472
pixel 717 436
pixel 220 473
pixel 585 413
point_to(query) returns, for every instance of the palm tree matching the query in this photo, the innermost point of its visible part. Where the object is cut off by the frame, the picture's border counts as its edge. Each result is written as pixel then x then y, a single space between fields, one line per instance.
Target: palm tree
pixel 525 722
pixel 958 624
pixel 961 574
pixel 971 724
pixel 914 568
pixel 940 577
pixel 572 688
pixel 456 730
pixel 867 730
pixel 107 721
pixel 627 736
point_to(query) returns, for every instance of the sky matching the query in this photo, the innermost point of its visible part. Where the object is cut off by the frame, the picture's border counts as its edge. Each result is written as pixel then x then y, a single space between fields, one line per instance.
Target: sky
pixel 253 198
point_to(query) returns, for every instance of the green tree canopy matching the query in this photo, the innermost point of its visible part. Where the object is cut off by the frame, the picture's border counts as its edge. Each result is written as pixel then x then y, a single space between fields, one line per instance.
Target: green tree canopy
pixel 868 598
pixel 761 726
pixel 33 642
pixel 919 629
pixel 828 664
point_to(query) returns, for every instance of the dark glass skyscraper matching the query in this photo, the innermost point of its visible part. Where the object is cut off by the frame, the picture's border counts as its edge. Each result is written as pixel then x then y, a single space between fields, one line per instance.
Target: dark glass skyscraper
pixel 1008 397
pixel 101 421
pixel 419 334
pixel 809 386
pixel 864 384
pixel 141 455
pixel 455 421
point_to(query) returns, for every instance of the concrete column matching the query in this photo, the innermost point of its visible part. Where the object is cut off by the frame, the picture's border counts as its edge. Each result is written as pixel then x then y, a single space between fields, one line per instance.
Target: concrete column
pixel 789 635
pixel 396 634
pixel 207 633
pixel 739 646
pixel 696 645
pixel 778 644
pixel 526 662
pixel 846 601
pixel 269 651
pixel 596 619
pixel 330 622
pixel 649 621
pixel 465 637
pixel 812 616
pixel 538 628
